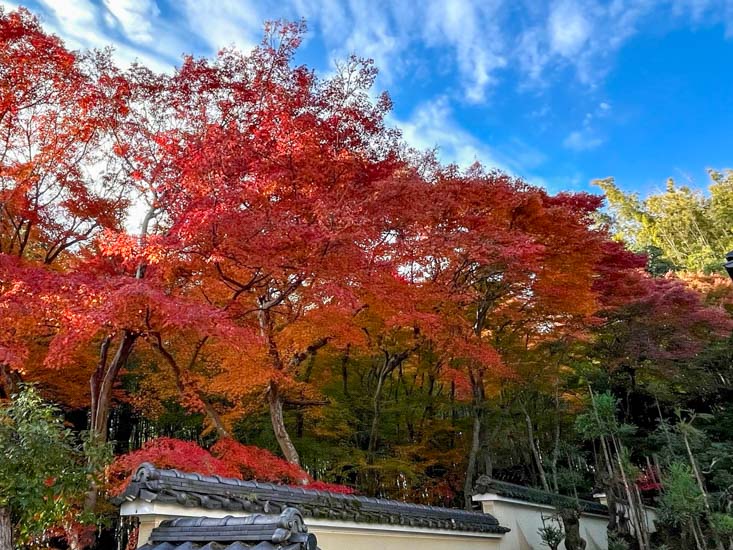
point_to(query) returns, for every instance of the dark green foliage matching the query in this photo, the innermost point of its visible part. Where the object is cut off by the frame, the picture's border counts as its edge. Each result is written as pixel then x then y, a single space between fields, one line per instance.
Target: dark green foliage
pixel 551 533
pixel 46 470
pixel 682 500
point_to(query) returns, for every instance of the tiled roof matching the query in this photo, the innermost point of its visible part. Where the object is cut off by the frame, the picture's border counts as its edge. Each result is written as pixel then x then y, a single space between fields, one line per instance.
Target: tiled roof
pixel 256 532
pixel 217 493
pixel 485 484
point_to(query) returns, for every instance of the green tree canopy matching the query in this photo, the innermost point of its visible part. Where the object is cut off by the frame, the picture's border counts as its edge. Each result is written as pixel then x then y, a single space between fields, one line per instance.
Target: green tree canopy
pixel 691 229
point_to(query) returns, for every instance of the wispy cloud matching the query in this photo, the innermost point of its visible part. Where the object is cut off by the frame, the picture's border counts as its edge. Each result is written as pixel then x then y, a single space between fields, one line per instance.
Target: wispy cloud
pixel 221 23
pixel 481 41
pixel 473 31
pixel 135 17
pixel 582 140
pixel 471 50
pixel 588 136
pixel 432 125
pixel 84 24
pixel 568 28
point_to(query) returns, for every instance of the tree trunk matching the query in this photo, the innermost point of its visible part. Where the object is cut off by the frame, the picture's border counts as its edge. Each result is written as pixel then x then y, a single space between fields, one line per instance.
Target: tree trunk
pixel 209 409
pixel 698 534
pixel 376 412
pixel 472 456
pixel 345 370
pixel 556 443
pixel 477 388
pixel 635 512
pixel 6 530
pixel 214 417
pixel 535 450
pixel 571 526
pixel 278 425
pixel 701 485
pixel 102 383
pixel 486 461
pixel 391 362
pixel 612 478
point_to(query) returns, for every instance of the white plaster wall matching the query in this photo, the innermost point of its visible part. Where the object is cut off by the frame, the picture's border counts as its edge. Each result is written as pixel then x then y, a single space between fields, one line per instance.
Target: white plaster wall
pixel 336 538
pixel 525 519
pixel 331 534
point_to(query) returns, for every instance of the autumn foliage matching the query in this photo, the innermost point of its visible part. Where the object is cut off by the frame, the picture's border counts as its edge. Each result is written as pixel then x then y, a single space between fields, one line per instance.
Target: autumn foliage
pixel 251 249
pixel 226 458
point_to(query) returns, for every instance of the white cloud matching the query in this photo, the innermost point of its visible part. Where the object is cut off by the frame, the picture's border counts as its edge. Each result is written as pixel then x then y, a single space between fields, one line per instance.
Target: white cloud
pixel 136 17
pixel 473 30
pixel 81 24
pixel 8 5
pixel 587 137
pixel 432 125
pixel 222 23
pixel 582 140
pixel 568 28
pixel 477 40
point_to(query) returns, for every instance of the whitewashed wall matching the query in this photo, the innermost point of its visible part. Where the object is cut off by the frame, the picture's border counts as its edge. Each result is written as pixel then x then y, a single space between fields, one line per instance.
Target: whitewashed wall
pixel 331 534
pixel 523 518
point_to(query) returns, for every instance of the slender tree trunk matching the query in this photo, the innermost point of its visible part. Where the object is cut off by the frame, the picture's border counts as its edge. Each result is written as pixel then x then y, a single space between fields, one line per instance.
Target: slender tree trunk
pixel 214 417
pixel 701 485
pixel 104 377
pixel 376 413
pixel 211 414
pixel 488 464
pixel 391 362
pixel 556 443
pixel 533 448
pixel 6 530
pixel 631 501
pixel 345 370
pixel 278 425
pixel 472 457
pixel 607 453
pixel 274 398
pixel 697 533
pixel 102 383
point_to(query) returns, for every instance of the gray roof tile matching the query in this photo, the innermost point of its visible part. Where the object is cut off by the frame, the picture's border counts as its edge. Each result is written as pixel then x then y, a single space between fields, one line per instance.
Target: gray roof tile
pixel 214 493
pixel 485 484
pixel 285 531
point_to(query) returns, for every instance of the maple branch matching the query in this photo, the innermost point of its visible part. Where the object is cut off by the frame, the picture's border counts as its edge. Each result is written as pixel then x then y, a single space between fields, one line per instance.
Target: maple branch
pixel 157 344
pixel 141 267
pixel 277 300
pixel 301 356
pixel 59 246
pixel 196 350
pixel 241 287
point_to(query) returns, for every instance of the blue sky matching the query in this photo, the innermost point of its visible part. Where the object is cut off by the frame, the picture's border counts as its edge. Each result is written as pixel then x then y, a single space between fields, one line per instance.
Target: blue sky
pixel 558 92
